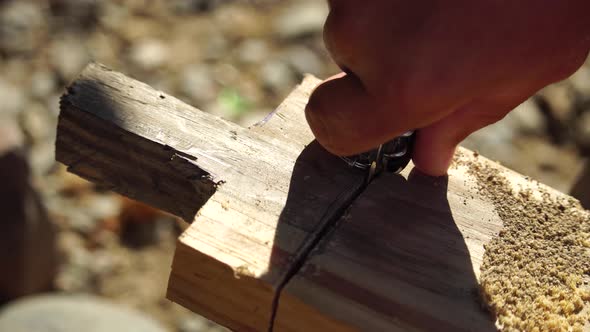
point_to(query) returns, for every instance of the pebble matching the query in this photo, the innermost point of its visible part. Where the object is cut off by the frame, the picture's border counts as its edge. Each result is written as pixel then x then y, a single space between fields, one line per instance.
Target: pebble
pixel 582 131
pixel 43 84
pixel 300 19
pixel 52 104
pixel 560 98
pixel 193 323
pixel 184 7
pixel 22 26
pixel 73 313
pixel 276 76
pixel 42 157
pixel 304 60
pixel 101 206
pixel 149 53
pixel 526 118
pixel 11 136
pixel 196 323
pixel 581 189
pixel 226 74
pixel 75 274
pixel 197 82
pixel 76 14
pixel 68 56
pixel 38 123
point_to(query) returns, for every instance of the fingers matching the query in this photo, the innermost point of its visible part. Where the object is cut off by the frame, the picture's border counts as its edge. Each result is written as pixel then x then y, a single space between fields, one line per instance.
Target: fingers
pixel 344 117
pixel 436 143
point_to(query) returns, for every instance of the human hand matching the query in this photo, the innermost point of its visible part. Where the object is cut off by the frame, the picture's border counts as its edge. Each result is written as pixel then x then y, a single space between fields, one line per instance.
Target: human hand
pixel 444 68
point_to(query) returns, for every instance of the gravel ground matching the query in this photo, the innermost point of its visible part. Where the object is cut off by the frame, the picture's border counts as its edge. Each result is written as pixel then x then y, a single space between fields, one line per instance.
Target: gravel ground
pixel 236 59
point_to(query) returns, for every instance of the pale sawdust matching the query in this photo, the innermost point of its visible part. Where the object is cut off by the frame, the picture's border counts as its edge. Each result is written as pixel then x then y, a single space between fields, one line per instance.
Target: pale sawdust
pixel 535 273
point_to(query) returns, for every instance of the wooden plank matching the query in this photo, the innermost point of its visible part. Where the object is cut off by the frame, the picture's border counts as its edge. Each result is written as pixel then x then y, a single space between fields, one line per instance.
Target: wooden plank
pixel 268 235
pixel 261 202
pixel 404 258
pixel 407 256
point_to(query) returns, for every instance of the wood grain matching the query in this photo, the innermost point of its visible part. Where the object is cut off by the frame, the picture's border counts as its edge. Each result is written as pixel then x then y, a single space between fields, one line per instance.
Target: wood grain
pixel 263 196
pixel 404 258
pixel 285 236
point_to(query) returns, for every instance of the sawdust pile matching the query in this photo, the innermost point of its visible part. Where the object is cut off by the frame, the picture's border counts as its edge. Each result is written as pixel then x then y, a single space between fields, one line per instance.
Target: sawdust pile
pixel 535 275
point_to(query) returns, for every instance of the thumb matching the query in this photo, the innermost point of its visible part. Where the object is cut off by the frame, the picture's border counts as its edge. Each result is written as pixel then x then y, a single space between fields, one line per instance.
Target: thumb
pixel 344 117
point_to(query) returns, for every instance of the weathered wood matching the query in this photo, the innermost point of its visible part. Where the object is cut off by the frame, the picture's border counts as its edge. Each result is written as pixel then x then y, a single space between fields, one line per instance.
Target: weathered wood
pixel 407 254
pixel 404 258
pixel 263 195
pixel 285 235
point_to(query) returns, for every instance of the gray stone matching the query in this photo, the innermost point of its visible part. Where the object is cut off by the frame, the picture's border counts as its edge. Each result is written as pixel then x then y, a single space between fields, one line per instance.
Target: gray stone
pixel 42 157
pixel 226 74
pixel 526 118
pixel 43 84
pixel 21 26
pixel 76 14
pixel 101 206
pixel 301 19
pixel 193 323
pixel 582 131
pixel 253 51
pixel 581 189
pixel 75 274
pixel 13 98
pixel 580 81
pixel 304 60
pixel 80 221
pixel 196 323
pixel 39 124
pixel 11 137
pixel 73 313
pixel 197 82
pixel 69 56
pixel 149 53
pixel 194 6
pixel 277 76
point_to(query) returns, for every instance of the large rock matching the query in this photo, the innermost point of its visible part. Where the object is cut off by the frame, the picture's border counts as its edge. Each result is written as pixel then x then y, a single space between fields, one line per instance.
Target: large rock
pixel 73 313
pixel 27 239
pixel 301 19
pixel 22 26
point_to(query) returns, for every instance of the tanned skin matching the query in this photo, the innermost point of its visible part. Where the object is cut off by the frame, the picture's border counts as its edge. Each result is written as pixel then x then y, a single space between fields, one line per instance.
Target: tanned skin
pixel 446 68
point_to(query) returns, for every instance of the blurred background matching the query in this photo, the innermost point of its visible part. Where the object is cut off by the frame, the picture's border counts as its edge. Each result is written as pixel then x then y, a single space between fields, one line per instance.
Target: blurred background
pixel 236 59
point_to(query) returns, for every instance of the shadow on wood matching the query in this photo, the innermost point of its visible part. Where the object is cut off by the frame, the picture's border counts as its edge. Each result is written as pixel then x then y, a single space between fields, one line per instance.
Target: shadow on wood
pixel 281 226
pixel 404 265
